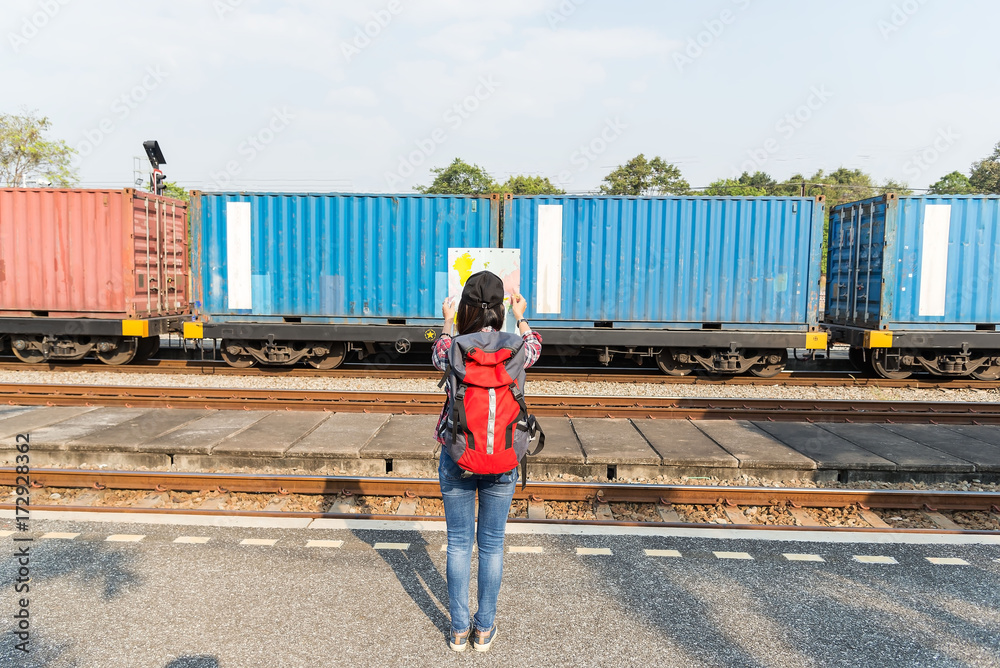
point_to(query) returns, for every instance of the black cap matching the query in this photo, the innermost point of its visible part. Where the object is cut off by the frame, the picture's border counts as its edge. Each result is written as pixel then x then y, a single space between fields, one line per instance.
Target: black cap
pixel 483 289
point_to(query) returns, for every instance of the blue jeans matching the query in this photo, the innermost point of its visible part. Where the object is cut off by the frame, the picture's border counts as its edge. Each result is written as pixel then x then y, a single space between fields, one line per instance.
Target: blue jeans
pixel 459 495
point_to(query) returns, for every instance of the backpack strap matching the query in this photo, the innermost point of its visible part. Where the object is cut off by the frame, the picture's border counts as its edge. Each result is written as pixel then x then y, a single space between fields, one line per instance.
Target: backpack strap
pixel 534 429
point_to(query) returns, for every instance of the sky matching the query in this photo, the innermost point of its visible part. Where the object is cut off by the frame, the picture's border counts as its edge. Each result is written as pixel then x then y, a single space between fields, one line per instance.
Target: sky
pixel 369 96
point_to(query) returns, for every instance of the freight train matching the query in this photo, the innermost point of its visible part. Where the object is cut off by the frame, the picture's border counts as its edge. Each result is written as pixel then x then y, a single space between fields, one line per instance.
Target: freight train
pixel 724 285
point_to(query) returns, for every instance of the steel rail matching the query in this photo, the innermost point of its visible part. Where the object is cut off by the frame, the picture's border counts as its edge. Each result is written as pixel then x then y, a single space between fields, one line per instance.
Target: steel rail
pixel 698 495
pixel 567 374
pixel 542 405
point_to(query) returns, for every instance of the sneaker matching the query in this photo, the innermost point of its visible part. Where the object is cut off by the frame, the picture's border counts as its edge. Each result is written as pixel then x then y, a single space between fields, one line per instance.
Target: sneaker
pixel 483 639
pixel 459 641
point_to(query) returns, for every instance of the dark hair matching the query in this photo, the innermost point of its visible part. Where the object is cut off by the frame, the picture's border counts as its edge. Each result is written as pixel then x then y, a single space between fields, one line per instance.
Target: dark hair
pixel 472 317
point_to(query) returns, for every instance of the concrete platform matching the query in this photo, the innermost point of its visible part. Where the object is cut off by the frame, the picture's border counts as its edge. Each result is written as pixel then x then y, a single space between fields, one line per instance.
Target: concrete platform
pixel 366 444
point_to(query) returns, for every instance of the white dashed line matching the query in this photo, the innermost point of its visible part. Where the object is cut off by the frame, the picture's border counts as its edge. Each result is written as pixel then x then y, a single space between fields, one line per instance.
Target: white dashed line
pixel 868 559
pixel 663 553
pixel 947 561
pixel 324 543
pixel 732 555
pixel 60 534
pixel 5 533
pixel 259 541
pixel 792 556
pixel 196 540
pixel 524 549
pixel 125 538
pixel 605 551
pixel 392 546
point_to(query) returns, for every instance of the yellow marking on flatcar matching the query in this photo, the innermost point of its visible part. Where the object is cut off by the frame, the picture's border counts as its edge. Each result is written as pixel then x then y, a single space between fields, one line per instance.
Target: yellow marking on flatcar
pixel 135 328
pixel 194 330
pixel 875 339
pixel 816 341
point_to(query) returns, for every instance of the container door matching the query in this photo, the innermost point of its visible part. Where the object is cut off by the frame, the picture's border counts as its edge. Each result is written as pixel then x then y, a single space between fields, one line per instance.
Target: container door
pixel 857 239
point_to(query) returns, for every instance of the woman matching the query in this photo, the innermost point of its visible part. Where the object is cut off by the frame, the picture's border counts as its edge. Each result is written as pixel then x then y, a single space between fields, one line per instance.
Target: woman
pixel 480 310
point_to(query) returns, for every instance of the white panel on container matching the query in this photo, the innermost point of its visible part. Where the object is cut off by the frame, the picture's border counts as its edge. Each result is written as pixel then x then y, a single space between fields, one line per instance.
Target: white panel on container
pixel 549 249
pixel 934 258
pixel 238 255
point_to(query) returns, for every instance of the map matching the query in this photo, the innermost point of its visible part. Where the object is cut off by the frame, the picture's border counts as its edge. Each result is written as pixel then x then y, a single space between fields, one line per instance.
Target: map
pixel 504 262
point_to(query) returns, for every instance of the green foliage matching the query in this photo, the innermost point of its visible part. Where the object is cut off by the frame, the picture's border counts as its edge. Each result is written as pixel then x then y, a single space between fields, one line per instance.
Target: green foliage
pixel 898 187
pixel 985 176
pixel 460 178
pixel 171 189
pixel 955 183
pixel 757 185
pixel 639 176
pixel 26 153
pixel 531 185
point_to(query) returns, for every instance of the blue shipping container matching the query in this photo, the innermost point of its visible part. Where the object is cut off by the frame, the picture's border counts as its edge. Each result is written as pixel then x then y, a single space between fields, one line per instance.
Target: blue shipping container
pixel 915 263
pixel 668 262
pixel 331 258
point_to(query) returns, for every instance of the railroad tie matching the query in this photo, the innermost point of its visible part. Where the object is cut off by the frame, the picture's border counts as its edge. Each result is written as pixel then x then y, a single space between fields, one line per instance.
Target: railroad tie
pixel 803 517
pixel 603 511
pixel 940 521
pixel 536 509
pixel 408 506
pixel 873 519
pixel 667 513
pixel 735 515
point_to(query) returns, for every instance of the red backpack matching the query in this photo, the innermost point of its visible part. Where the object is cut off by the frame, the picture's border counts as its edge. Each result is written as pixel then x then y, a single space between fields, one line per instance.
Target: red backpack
pixel 488 428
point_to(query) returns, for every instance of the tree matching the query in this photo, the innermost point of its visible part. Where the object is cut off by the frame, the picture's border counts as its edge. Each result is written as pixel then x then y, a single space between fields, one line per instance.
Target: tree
pixel 460 178
pixel 641 177
pixel 26 153
pixel 985 176
pixel 531 185
pixel 899 187
pixel 171 189
pixel 757 185
pixel 955 183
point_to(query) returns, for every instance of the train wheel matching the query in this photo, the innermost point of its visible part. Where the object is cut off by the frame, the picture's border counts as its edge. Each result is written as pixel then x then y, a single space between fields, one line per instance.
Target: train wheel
pixel 235 358
pixel 669 366
pixel 987 372
pixel 123 354
pixel 333 359
pixel 774 363
pixel 29 355
pixel 148 346
pixel 878 365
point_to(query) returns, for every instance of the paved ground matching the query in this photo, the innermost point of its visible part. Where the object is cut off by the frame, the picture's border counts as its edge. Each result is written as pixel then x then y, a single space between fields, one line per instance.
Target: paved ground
pixel 365 444
pixel 665 598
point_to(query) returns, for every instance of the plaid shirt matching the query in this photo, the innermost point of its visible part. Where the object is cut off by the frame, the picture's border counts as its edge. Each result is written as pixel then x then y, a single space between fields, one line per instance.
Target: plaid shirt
pixel 439 357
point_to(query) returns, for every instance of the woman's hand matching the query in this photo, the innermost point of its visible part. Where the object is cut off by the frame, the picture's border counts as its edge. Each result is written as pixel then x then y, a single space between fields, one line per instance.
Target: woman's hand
pixel 518 305
pixel 448 310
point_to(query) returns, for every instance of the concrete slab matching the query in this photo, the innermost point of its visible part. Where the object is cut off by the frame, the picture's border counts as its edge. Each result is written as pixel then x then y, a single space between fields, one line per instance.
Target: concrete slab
pixel 11 411
pixel 680 443
pixel 285 464
pixel 57 436
pixel 561 444
pixel 754 448
pixel 272 435
pixel 828 450
pixel 958 441
pixel 905 453
pixel 404 437
pixel 613 441
pixel 200 436
pixel 87 460
pixel 341 435
pixel 130 435
pixel 28 422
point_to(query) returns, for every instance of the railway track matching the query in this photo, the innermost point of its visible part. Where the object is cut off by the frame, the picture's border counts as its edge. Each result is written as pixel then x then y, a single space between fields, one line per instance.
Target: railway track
pixel 337 492
pixel 424 403
pixel 574 374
